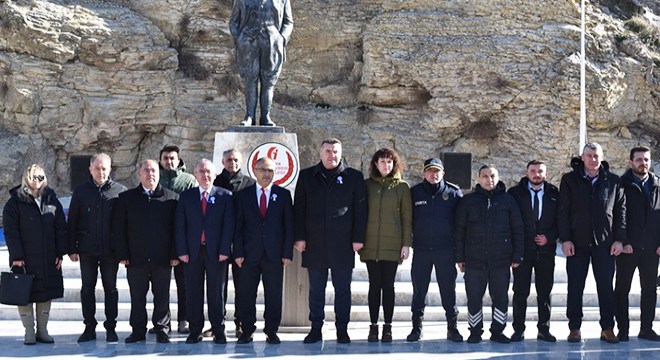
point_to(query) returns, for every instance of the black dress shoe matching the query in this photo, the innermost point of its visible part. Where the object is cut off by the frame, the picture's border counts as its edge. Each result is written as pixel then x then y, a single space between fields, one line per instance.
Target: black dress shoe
pixel 314 336
pixel 500 338
pixel 623 336
pixel 544 335
pixel 111 335
pixel 272 338
pixel 648 335
pixel 244 339
pixel 342 337
pixel 193 338
pixel 518 335
pixel 162 337
pixel 133 338
pixel 220 339
pixel 88 335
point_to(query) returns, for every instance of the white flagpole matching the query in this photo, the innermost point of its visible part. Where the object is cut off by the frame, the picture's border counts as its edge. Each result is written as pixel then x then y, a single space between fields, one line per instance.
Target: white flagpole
pixel 583 102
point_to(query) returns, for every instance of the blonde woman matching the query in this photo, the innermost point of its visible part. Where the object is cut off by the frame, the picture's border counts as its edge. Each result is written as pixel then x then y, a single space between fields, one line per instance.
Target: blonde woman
pixel 35 233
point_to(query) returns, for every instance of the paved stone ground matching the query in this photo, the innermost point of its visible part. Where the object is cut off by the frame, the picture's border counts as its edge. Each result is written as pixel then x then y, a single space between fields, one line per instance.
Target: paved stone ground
pixel 434 345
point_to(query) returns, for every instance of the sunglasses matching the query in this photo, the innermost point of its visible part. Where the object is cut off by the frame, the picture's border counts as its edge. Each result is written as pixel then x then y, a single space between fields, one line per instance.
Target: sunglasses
pixel 37 178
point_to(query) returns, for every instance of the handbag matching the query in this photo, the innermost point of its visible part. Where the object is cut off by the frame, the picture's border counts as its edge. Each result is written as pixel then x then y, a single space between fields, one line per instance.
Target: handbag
pixel 15 287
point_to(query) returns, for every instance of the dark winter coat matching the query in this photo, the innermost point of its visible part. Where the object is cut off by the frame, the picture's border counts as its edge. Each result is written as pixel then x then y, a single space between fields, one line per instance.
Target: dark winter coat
pixel 389 224
pixel 642 212
pixel 591 214
pixel 489 229
pixel 331 215
pixel 37 236
pixel 233 183
pixel 547 225
pixel 433 215
pixel 144 226
pixel 90 218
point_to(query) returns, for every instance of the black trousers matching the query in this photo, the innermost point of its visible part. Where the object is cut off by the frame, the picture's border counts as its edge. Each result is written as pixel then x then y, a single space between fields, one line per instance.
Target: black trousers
pixel 214 273
pixel 139 278
pixel 423 263
pixel 544 271
pixel 341 281
pixel 272 274
pixel 180 279
pixel 381 284
pixel 577 268
pixel 89 267
pixel 236 279
pixel 647 263
pixel 497 281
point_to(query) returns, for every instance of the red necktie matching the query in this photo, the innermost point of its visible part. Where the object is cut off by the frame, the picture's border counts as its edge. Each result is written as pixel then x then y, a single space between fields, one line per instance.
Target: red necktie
pixel 204 203
pixel 262 203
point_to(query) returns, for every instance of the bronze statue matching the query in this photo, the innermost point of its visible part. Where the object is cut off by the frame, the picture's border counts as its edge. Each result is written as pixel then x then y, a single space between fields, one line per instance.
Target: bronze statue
pixel 261 30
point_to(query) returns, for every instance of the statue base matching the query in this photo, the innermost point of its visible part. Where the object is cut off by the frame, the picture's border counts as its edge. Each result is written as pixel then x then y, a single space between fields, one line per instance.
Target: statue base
pixel 257 129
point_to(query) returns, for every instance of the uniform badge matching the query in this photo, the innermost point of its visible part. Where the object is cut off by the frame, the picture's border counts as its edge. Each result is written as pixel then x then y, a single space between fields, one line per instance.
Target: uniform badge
pixel 445 197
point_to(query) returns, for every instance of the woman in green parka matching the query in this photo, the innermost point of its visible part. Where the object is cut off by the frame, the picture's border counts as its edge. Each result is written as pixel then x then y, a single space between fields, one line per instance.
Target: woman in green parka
pixel 388 237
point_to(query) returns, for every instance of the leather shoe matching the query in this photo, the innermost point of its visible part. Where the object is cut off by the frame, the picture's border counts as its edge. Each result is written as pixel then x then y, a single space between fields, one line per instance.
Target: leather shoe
pixel 162 337
pixel 193 338
pixel 244 339
pixel 133 338
pixel 608 335
pixel 518 335
pixel 272 338
pixel 623 336
pixel 88 335
pixel 220 339
pixel 648 335
pixel 342 337
pixel 545 335
pixel 574 336
pixel 111 335
pixel 314 336
pixel 475 336
pixel 500 338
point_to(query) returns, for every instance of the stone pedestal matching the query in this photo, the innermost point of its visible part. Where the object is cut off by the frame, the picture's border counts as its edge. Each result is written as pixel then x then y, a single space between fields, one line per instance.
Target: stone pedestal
pixel 255 142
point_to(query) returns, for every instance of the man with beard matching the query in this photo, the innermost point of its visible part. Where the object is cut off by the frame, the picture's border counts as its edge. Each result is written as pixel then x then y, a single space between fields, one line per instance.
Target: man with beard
pixel 538 203
pixel 643 226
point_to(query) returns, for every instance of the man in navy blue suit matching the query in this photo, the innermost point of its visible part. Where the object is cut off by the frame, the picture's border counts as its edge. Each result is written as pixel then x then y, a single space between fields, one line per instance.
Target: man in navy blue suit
pixel 204 229
pixel 263 244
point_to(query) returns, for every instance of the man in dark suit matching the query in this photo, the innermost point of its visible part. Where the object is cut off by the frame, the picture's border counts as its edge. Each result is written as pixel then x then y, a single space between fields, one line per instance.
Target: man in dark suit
pixel 204 230
pixel 331 220
pixel 232 179
pixel 538 201
pixel 144 242
pixel 263 244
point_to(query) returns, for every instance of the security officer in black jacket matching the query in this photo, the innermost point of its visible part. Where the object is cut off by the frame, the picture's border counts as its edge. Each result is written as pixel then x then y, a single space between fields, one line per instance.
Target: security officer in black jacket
pixel 642 189
pixel 592 228
pixel 489 239
pixel 144 241
pixel 434 202
pixel 90 218
pixel 538 201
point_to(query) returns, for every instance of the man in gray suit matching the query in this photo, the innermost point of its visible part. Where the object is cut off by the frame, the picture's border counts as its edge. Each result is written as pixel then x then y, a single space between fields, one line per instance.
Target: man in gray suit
pixel 261 29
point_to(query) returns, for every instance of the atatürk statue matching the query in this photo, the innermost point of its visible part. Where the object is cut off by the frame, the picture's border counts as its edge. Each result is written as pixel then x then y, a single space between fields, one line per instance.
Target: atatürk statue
pixel 261 30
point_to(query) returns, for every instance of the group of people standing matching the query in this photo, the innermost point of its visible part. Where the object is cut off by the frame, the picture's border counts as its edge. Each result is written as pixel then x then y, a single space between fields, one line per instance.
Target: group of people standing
pixel 199 224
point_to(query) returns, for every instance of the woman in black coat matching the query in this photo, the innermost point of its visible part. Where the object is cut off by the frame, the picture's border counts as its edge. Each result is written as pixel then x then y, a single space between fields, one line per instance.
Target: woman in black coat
pixel 35 233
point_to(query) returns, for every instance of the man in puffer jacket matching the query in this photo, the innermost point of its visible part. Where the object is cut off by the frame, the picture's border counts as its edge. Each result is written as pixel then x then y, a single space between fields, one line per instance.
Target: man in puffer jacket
pixel 592 229
pixel 489 239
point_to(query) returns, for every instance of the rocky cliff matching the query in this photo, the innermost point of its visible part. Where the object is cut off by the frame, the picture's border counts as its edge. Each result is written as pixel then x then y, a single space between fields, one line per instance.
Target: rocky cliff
pixel 497 78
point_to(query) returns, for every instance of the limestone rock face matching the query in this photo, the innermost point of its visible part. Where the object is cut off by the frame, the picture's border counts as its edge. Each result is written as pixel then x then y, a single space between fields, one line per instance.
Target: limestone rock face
pixel 496 78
